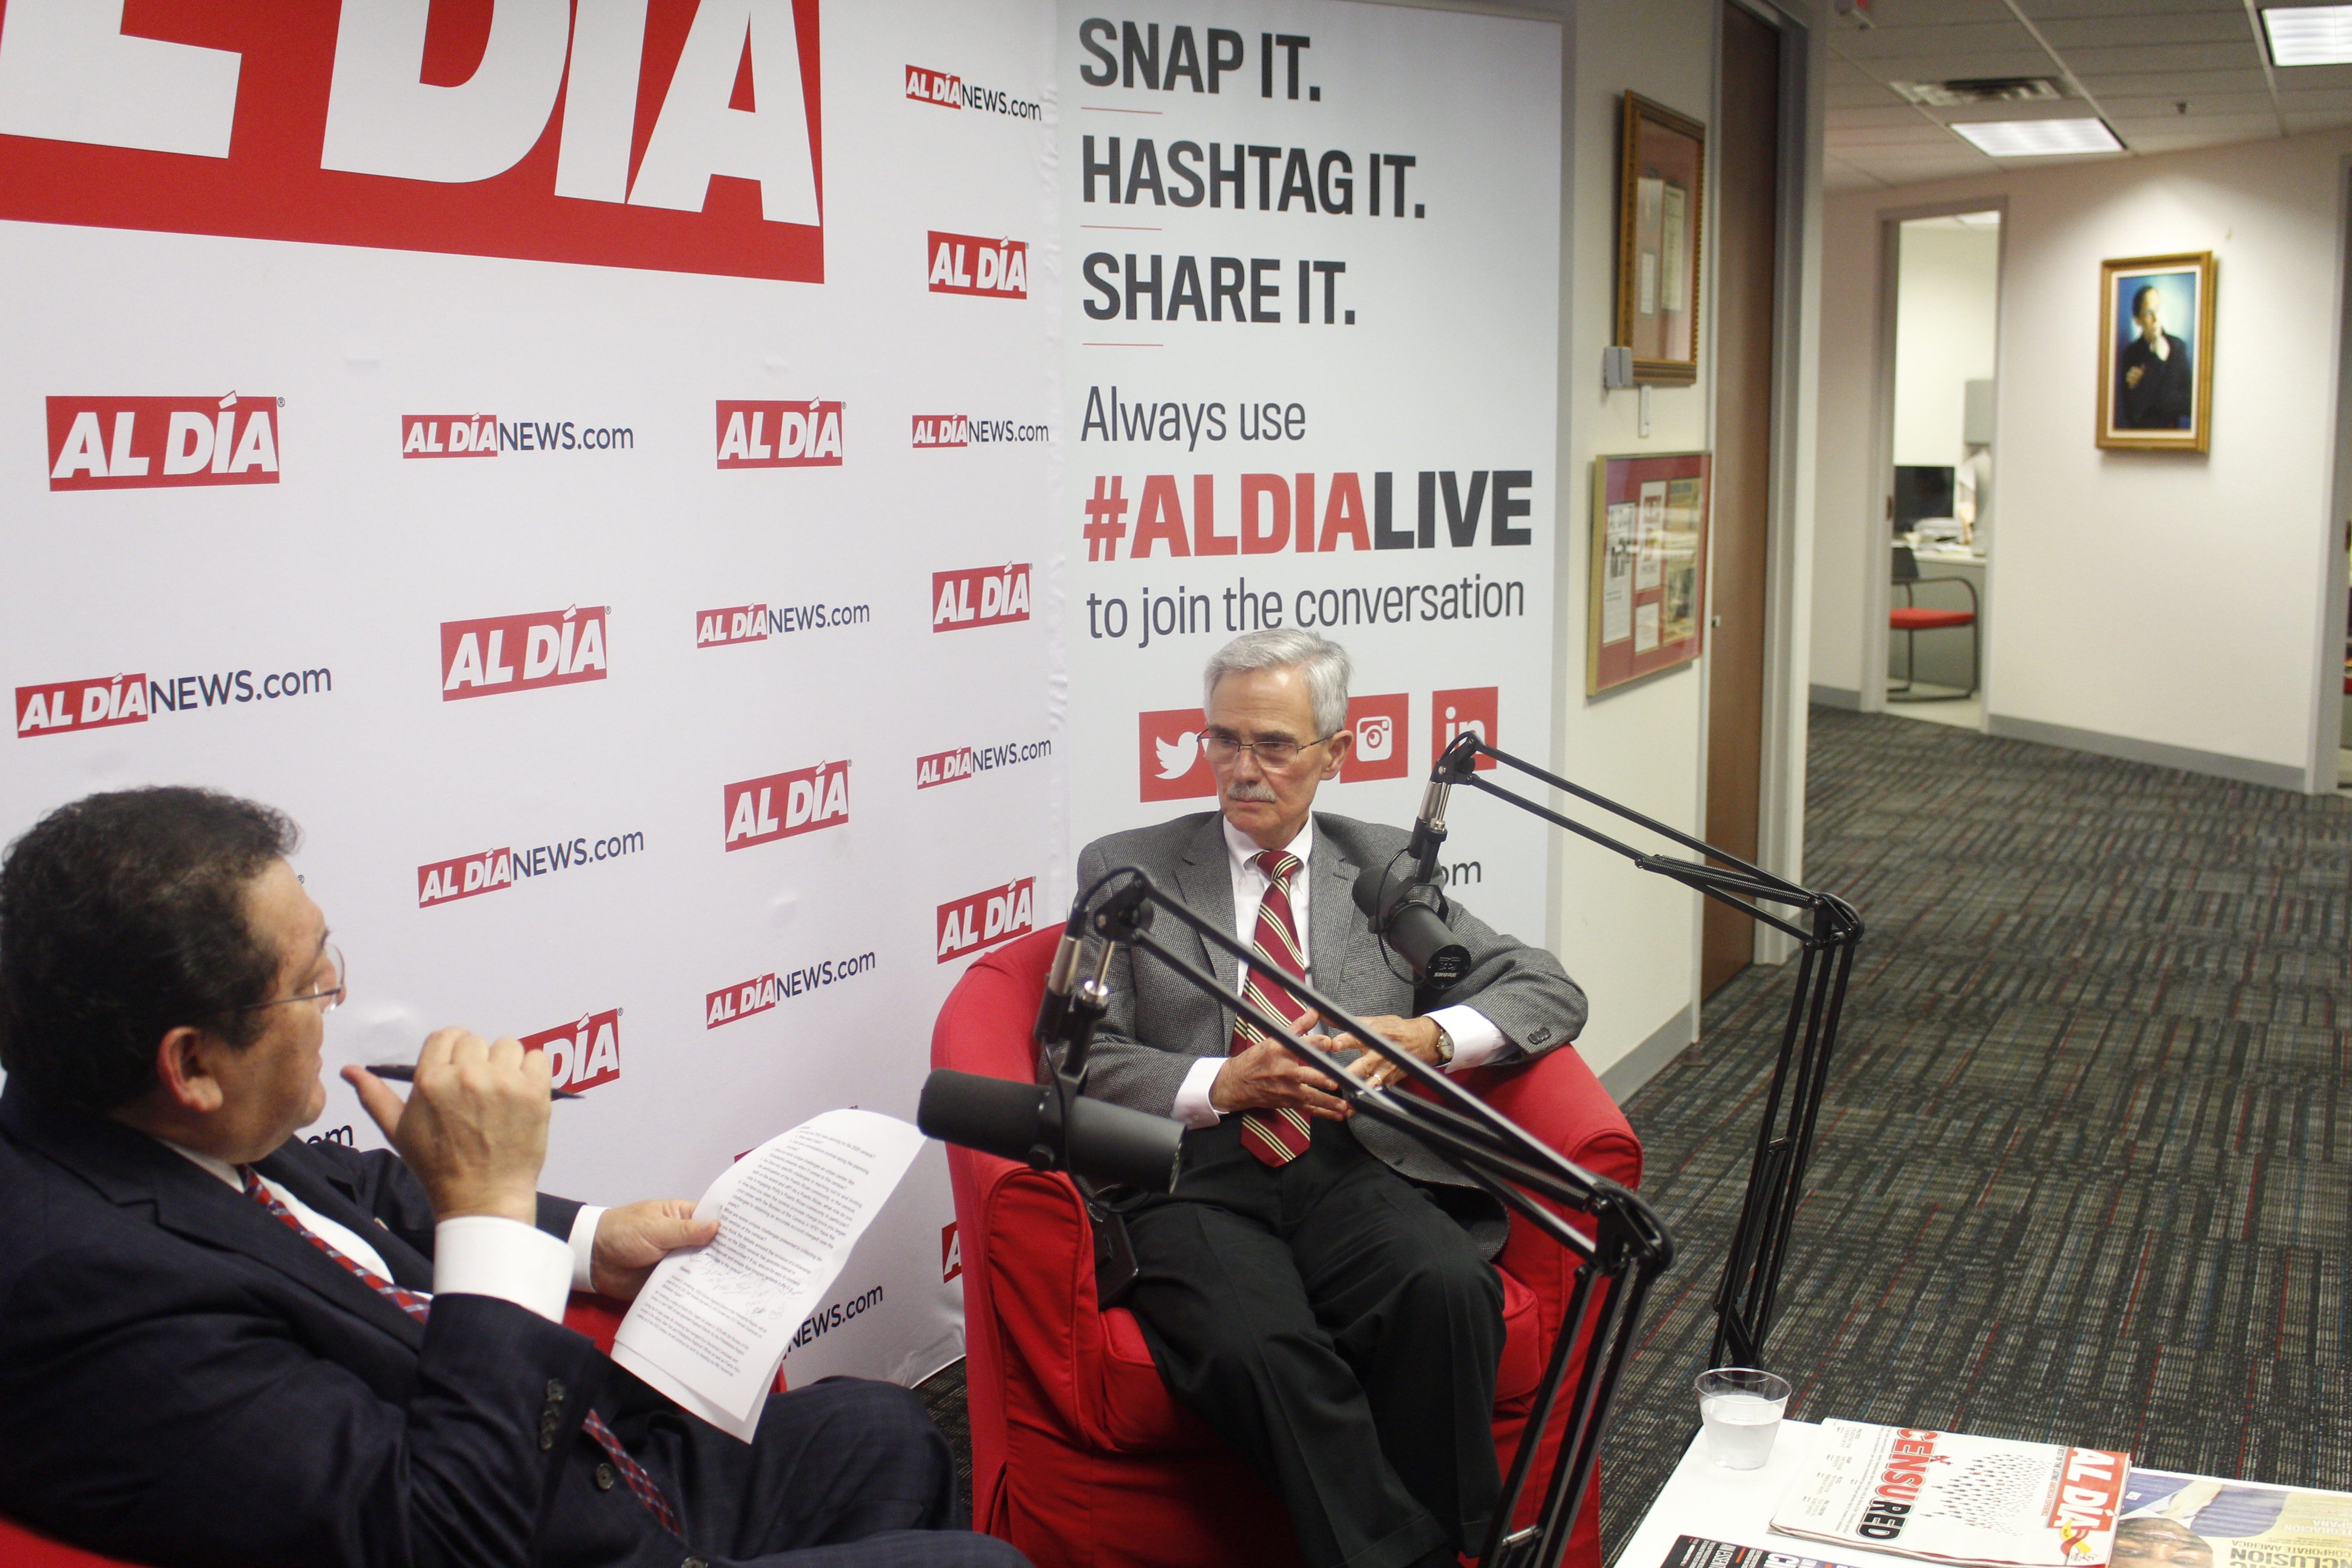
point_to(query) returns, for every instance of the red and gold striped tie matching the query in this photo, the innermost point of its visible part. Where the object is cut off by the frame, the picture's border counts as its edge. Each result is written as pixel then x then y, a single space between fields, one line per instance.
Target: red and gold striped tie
pixel 1279 1136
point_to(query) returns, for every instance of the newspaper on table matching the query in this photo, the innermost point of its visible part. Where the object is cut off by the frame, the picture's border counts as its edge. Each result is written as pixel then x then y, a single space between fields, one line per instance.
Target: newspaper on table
pixel 1699 1552
pixel 1946 1497
pixel 712 1324
pixel 2195 1522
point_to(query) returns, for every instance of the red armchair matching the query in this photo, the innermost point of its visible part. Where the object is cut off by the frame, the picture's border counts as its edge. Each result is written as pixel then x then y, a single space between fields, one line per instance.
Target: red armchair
pixel 1080 1457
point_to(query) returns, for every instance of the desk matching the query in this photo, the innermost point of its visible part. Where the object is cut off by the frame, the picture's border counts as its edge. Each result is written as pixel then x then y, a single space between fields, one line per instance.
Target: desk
pixel 1702 1498
pixel 1943 655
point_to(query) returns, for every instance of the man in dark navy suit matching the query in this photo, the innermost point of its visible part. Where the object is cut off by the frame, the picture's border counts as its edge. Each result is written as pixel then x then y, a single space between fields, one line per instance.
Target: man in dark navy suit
pixel 222 1345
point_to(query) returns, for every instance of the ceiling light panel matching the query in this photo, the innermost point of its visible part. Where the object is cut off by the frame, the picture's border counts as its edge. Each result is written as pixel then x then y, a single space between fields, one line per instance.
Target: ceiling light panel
pixel 2309 34
pixel 2038 137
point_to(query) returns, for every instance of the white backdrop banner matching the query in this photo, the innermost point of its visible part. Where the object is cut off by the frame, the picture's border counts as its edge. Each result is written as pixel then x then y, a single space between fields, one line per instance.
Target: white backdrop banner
pixel 698 507
pixel 1311 287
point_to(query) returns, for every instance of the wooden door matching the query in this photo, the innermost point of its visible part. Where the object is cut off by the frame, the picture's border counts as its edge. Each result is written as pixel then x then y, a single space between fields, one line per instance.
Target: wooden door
pixel 1746 197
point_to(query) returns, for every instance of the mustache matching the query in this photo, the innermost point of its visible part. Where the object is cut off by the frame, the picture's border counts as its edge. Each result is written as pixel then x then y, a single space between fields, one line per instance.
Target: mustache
pixel 1244 789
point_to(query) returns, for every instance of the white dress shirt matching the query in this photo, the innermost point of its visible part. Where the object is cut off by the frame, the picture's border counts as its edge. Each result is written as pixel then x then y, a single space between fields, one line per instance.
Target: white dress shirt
pixel 1475 1038
pixel 475 1255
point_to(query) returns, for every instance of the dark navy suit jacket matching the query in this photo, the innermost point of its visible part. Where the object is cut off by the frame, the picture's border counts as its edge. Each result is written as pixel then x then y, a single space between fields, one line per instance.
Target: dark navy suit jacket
pixel 185 1380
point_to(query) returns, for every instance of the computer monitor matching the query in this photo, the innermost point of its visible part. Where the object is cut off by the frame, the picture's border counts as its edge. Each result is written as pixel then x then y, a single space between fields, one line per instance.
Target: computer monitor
pixel 1921 490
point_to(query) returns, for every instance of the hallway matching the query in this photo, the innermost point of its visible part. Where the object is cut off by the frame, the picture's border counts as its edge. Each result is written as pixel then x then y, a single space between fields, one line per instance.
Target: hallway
pixel 2084 1163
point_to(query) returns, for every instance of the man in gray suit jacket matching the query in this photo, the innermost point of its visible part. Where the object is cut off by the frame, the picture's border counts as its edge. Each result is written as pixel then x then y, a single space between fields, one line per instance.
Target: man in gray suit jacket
pixel 1317 1289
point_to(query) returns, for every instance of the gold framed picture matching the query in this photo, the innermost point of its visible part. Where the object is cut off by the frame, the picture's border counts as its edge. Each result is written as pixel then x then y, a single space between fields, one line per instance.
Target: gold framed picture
pixel 1662 191
pixel 2156 353
pixel 1647 611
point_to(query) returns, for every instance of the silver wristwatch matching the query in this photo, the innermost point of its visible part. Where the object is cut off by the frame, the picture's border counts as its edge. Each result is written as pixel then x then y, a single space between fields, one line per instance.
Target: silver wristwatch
pixel 1444 1046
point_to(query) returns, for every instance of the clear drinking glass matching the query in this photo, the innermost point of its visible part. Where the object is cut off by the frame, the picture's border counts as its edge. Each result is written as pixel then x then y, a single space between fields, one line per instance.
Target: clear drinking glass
pixel 1739 1407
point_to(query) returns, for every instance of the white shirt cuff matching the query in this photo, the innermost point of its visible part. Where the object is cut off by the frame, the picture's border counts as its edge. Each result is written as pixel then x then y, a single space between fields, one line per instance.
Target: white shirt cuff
pixel 583 1245
pixel 1192 1107
pixel 1475 1039
pixel 483 1255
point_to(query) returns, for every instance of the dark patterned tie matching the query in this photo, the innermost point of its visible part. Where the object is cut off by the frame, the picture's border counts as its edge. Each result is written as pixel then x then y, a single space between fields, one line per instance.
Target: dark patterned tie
pixel 420 1307
pixel 1279 1136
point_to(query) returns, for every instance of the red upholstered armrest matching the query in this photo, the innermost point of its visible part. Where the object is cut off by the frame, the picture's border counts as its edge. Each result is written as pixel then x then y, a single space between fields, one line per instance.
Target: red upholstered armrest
pixel 20 1548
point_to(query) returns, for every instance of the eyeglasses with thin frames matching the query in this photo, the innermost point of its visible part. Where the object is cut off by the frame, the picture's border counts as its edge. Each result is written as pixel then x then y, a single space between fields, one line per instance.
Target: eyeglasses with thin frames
pixel 1223 749
pixel 329 997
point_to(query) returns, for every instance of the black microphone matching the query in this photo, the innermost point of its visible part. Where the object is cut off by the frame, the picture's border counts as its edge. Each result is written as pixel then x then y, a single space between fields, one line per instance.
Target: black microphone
pixel 1099 1139
pixel 1412 914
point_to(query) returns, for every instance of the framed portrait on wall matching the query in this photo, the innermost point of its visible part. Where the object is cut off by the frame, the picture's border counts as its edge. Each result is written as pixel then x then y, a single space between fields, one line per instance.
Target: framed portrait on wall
pixel 1648 603
pixel 1662 186
pixel 2156 353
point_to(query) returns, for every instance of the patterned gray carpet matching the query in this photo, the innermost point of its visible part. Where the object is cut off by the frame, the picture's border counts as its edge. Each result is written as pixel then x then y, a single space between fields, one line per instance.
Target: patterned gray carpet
pixel 2084 1165
pixel 2084 1162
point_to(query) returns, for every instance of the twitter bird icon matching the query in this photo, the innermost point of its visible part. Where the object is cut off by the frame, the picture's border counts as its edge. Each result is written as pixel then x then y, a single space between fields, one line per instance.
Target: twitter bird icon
pixel 1176 756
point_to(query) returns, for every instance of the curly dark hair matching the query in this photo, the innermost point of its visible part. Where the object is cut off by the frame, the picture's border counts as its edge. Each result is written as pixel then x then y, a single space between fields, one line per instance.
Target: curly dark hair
pixel 123 917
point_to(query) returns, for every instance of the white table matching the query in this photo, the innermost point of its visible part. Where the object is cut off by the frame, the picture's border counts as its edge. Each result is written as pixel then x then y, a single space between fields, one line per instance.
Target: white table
pixel 1702 1498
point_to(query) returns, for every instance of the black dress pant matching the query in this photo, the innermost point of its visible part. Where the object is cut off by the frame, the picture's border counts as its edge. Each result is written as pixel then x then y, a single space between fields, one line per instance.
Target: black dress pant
pixel 844 1474
pixel 1338 1330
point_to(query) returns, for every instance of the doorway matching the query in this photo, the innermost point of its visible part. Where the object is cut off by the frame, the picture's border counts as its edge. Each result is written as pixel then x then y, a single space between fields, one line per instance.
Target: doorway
pixel 1939 473
pixel 1746 280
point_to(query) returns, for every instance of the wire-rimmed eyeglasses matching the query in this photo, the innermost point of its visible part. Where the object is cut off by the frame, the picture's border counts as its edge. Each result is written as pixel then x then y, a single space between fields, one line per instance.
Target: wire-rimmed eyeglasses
pixel 1224 748
pixel 329 997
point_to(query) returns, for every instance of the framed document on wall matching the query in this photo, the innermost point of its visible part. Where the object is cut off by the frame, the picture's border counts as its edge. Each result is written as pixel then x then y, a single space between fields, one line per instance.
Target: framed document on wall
pixel 1662 185
pixel 1649 566
pixel 2156 353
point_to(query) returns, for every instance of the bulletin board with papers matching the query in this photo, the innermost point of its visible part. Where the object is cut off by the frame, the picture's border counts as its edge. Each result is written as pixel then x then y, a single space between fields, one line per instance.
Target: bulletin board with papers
pixel 1649 566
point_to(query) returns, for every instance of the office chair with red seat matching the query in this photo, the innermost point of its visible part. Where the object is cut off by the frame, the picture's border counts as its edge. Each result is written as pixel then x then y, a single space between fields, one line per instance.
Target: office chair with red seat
pixel 1081 1458
pixel 1911 619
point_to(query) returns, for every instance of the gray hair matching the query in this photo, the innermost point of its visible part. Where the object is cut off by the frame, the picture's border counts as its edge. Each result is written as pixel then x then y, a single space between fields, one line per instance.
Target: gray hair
pixel 1323 662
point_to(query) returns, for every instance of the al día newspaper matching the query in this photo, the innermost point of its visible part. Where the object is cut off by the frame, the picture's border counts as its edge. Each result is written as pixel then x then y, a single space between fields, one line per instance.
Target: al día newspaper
pixel 1946 1497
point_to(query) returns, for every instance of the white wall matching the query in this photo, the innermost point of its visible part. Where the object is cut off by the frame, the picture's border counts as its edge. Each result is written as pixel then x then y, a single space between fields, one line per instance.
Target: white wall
pixel 2165 607
pixel 1950 283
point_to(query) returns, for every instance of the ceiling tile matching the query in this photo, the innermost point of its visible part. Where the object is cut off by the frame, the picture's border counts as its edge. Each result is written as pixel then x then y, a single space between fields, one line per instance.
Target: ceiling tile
pixel 2186 28
pixel 1969 38
pixel 2142 135
pixel 1837 176
pixel 2149 59
pixel 1948 67
pixel 1918 133
pixel 2324 100
pixel 2304 79
pixel 1862 119
pixel 2133 107
pixel 2174 84
pixel 1938 13
pixel 2186 143
pixel 2296 124
pixel 2057 10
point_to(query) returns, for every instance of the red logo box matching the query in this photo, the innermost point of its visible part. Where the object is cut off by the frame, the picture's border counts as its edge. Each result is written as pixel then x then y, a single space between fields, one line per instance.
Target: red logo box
pixel 448 435
pixel 93 704
pixel 763 810
pixel 147 443
pixel 937 431
pixel 970 264
pixel 779 434
pixel 342 125
pixel 447 880
pixel 734 624
pixel 504 654
pixel 987 919
pixel 1383 738
pixel 729 1003
pixel 1171 761
pixel 1451 712
pixel 934 86
pixel 980 596
pixel 946 767
pixel 583 1053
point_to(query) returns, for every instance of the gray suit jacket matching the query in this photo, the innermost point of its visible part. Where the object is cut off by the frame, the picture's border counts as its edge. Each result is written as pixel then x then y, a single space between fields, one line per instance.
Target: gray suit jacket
pixel 1158 1025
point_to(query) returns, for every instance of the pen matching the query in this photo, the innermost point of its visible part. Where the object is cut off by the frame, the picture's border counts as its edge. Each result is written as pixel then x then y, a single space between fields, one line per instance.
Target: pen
pixel 400 1072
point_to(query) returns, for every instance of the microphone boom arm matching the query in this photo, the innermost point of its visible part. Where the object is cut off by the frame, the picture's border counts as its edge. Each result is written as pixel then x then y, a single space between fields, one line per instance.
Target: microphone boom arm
pixel 1746 1298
